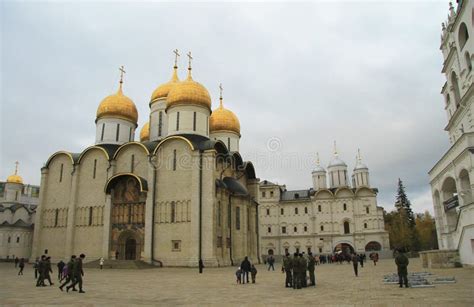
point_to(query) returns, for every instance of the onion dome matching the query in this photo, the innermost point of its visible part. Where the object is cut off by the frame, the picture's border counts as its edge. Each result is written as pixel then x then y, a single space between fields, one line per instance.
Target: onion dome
pixel 336 161
pixel 145 132
pixel 163 90
pixel 223 119
pixel 15 178
pixel 318 168
pixel 189 92
pixel 359 164
pixel 118 106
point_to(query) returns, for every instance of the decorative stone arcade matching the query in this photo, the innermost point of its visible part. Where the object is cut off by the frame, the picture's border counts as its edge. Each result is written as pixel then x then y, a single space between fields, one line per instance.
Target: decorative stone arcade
pixel 127 220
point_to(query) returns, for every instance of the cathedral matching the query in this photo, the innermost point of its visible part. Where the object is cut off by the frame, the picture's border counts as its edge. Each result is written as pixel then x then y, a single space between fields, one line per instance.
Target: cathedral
pixel 18 204
pixel 180 195
pixel 341 217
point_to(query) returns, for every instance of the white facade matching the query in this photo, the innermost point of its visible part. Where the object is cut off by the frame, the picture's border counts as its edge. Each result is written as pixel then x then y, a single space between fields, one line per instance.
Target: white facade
pixel 452 177
pixel 229 138
pixel 110 130
pixel 17 213
pixel 188 119
pixel 158 120
pixel 321 220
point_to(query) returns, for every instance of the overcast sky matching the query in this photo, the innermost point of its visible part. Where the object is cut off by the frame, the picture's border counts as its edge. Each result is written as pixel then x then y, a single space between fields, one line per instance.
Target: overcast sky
pixel 298 75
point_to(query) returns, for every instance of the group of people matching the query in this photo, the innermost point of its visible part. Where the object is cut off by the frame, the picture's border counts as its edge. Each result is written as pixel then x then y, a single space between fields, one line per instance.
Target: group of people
pixel 296 267
pixel 71 272
pixel 242 273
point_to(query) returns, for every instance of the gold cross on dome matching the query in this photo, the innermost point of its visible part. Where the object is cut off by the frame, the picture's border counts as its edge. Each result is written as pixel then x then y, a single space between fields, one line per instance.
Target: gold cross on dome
pixel 122 71
pixel 176 55
pixel 190 58
pixel 16 167
pixel 220 89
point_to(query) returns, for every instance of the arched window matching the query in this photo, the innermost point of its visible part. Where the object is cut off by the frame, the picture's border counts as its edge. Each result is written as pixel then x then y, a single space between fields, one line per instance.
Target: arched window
pixel 365 225
pixel 346 227
pixel 322 228
pixel 345 207
pixel 306 210
pixel 457 93
pixel 467 57
pixel 463 35
pixel 295 229
pixel 269 229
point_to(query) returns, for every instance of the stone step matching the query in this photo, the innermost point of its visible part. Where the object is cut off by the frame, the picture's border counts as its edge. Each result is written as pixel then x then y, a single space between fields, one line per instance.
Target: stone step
pixel 119 264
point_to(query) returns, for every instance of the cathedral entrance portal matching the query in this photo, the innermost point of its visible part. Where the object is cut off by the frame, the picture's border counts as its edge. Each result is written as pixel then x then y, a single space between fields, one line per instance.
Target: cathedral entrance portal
pixel 344 248
pixel 128 216
pixel 130 249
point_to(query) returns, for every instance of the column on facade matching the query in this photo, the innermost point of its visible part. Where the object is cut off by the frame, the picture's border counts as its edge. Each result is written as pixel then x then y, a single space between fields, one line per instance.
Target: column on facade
pixel 39 214
pixel 194 235
pixel 71 213
pixel 107 215
pixel 149 211
pixel 209 226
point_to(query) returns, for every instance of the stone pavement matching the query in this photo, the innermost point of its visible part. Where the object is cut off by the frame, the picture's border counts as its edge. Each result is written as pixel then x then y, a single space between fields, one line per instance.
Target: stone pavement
pixel 336 285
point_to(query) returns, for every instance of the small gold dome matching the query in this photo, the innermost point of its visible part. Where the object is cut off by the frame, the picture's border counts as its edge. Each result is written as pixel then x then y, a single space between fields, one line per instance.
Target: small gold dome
pixel 163 90
pixel 189 92
pixel 223 119
pixel 145 132
pixel 15 178
pixel 119 106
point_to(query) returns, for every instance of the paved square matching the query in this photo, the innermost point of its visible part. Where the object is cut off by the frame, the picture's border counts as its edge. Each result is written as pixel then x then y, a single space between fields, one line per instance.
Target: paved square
pixel 336 285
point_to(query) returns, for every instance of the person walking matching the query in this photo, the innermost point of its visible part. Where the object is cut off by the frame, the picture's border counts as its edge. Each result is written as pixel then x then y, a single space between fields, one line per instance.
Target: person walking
pixel 245 266
pixel 21 265
pixel 361 260
pixel 253 273
pixel 48 270
pixel 270 262
pixel 69 275
pixel 35 266
pixel 238 275
pixel 402 267
pixel 287 267
pixel 16 262
pixel 311 263
pixel 77 273
pixel 303 269
pixel 101 262
pixel 41 271
pixel 60 266
pixel 355 263
pixel 295 266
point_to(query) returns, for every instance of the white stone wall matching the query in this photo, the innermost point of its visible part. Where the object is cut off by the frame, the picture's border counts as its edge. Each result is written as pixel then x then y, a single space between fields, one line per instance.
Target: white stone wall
pixel 155 109
pixel 453 174
pixel 229 138
pixel 186 120
pixel 324 209
pixel 126 131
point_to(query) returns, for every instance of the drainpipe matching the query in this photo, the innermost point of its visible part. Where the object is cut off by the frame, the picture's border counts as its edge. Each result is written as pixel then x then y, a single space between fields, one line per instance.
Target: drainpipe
pixel 257 232
pixel 155 170
pixel 200 209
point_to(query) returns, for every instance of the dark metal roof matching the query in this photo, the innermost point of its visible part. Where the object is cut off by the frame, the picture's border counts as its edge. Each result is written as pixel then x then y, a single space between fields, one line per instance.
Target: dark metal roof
pixel 233 186
pixel 109 148
pixel 294 195
pixel 266 182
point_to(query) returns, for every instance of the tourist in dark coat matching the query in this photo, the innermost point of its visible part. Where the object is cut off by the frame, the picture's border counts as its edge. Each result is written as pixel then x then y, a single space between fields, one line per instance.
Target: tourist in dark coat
pixel 22 266
pixel 60 266
pixel 402 267
pixel 245 267
pixel 355 263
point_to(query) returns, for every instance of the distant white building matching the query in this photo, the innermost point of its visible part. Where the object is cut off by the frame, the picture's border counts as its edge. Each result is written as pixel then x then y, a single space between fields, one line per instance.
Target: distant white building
pixel 452 177
pixel 336 214
pixel 18 204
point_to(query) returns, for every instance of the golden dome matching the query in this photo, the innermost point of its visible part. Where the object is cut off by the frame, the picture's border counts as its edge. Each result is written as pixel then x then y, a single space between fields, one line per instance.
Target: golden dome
pixel 163 90
pixel 188 92
pixel 223 119
pixel 118 106
pixel 145 132
pixel 15 178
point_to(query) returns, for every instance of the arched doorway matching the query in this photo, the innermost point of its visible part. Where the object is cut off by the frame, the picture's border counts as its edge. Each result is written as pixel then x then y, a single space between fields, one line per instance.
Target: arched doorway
pixel 344 248
pixel 449 195
pixel 130 249
pixel 128 193
pixel 373 246
pixel 270 252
